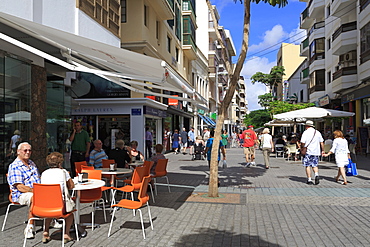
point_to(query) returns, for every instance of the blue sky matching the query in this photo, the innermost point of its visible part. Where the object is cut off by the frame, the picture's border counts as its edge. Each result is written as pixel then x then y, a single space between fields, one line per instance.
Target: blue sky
pixel 270 26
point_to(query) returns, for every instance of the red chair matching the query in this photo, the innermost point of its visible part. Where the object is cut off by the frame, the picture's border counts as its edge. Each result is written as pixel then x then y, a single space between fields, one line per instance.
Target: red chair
pixel 135 205
pixel 94 195
pixel 78 166
pixel 87 168
pixel 161 171
pixel 48 203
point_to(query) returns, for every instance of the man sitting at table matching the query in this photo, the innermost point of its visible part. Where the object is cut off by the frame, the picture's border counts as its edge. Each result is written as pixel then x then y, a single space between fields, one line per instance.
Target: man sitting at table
pixel 97 154
pixel 120 154
pixel 22 174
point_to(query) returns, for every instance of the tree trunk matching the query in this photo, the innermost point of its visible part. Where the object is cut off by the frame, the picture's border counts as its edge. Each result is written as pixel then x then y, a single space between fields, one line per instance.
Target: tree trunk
pixel 235 75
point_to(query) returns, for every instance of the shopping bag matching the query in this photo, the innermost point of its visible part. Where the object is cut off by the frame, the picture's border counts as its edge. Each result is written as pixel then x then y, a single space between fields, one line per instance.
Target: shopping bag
pixel 351 169
pixel 224 165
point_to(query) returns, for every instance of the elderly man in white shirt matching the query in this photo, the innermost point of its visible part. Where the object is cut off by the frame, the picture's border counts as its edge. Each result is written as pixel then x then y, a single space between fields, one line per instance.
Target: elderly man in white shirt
pixel 312 139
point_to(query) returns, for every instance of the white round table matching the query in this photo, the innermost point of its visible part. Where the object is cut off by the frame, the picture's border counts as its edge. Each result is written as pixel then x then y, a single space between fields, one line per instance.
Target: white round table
pixel 118 171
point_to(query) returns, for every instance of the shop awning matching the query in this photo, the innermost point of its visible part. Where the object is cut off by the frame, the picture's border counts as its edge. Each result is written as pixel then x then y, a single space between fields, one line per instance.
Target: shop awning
pixel 204 119
pixel 76 53
pixel 210 120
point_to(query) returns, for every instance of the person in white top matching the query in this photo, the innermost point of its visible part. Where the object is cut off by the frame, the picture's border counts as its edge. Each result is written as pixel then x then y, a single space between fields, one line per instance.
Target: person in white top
pixel 342 154
pixel 57 175
pixel 267 146
pixel 312 139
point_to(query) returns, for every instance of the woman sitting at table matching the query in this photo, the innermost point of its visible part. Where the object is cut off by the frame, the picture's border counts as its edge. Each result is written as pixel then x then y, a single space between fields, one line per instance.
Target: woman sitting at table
pixel 57 175
pixel 120 154
pixel 137 155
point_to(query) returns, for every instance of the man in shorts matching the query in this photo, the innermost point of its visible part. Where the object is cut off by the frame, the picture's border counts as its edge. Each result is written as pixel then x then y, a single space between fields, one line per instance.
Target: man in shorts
pixel 312 139
pixel 250 140
pixel 22 174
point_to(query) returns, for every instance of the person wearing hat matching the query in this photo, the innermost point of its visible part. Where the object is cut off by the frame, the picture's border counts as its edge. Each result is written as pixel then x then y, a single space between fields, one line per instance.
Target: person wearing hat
pixel 313 141
pixel 250 140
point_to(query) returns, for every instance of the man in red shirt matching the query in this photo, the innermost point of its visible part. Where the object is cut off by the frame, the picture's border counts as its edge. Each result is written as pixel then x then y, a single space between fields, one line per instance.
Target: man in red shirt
pixel 250 140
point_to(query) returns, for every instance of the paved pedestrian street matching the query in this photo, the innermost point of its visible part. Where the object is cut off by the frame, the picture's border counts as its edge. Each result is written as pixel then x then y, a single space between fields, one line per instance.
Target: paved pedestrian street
pixel 257 207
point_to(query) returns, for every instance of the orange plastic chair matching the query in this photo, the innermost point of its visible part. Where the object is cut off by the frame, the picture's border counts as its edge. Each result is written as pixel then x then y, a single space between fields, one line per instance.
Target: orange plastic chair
pixel 78 166
pixel 93 195
pixel 87 168
pixel 148 165
pixel 48 203
pixel 136 181
pixel 11 203
pixel 161 171
pixel 135 205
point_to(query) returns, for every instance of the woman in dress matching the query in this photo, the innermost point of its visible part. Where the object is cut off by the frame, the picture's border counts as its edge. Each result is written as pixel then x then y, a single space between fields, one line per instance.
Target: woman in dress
pixel 175 141
pixel 267 146
pixel 342 154
pixel 225 138
pixel 135 154
pixel 57 175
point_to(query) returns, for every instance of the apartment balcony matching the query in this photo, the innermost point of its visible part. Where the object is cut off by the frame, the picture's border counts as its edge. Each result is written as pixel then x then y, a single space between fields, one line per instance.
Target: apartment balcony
pixel 364 4
pixel 344 39
pixel 340 8
pixel 163 9
pixel 317 9
pixel 304 48
pixel 306 20
pixel 344 78
pixel 317 61
pixel 316 88
pixel 317 30
pixel 189 47
pixel 305 76
pixel 364 70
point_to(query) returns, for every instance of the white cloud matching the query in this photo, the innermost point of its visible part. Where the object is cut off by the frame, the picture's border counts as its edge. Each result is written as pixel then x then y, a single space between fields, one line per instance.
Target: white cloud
pixel 271 39
pixel 251 66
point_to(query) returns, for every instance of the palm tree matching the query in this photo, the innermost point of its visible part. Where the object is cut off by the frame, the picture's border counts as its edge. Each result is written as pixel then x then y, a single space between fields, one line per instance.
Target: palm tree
pixel 234 77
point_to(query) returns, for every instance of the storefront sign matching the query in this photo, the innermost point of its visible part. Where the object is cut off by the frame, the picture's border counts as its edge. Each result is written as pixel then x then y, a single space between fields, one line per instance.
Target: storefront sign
pixel 201 111
pixel 93 110
pixel 173 101
pixel 154 112
pixel 136 112
pixel 325 100
pixel 356 94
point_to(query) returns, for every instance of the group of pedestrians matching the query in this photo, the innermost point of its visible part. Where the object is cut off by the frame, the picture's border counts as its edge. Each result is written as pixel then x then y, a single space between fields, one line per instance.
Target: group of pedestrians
pixel 312 147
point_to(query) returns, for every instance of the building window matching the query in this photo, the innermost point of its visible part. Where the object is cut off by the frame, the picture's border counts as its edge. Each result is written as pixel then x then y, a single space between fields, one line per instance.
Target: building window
pixel 146 15
pixel 317 49
pixel 177 54
pixel 169 44
pixel 328 43
pixel 123 11
pixel 328 77
pixel 106 12
pixel 365 43
pixel 317 81
pixel 301 95
pixel 157 24
pixel 328 11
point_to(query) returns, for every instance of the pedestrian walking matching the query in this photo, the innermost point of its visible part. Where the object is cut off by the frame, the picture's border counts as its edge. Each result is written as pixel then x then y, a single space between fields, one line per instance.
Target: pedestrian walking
pixel 184 140
pixel 234 139
pixel 175 141
pixel 313 141
pixel 267 146
pixel 342 154
pixel 225 138
pixel 250 140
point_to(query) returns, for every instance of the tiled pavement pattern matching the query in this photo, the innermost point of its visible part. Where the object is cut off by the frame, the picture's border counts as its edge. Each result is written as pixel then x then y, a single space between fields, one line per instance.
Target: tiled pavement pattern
pixel 277 208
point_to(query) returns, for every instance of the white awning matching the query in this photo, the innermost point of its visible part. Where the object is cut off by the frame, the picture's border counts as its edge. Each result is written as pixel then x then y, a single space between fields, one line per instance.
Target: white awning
pixel 76 53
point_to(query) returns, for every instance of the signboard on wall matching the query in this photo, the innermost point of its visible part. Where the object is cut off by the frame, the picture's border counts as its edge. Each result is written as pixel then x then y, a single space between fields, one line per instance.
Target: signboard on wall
pixel 325 100
pixel 136 112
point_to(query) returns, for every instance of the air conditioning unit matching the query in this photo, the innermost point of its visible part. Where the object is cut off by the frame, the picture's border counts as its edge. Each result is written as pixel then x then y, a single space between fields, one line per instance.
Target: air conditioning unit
pixel 349 56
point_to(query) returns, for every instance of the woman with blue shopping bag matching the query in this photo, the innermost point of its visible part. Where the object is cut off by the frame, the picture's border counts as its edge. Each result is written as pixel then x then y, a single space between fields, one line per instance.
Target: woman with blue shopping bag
pixel 342 155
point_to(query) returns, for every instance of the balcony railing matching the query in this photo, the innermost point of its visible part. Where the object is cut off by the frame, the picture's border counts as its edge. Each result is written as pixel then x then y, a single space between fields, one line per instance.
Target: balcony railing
pixel 364 4
pixel 305 73
pixel 344 28
pixel 317 88
pixel 318 56
pixel 345 71
pixel 317 25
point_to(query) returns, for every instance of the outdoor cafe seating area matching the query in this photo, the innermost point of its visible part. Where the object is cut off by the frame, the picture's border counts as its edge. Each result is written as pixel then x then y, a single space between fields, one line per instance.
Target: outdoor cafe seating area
pixel 101 191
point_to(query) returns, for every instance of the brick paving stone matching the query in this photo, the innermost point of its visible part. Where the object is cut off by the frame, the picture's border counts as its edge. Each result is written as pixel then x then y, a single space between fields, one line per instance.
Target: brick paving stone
pixel 277 208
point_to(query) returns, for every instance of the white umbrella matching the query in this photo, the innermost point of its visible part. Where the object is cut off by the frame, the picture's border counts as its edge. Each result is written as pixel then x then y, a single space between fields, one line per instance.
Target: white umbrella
pixel 18 116
pixel 313 112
